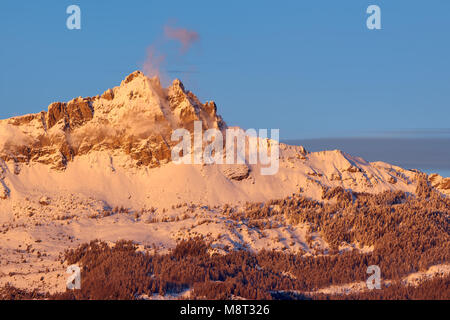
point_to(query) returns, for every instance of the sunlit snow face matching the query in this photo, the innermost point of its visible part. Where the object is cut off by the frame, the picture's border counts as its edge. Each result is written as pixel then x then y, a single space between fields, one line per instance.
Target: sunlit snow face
pixel 239 147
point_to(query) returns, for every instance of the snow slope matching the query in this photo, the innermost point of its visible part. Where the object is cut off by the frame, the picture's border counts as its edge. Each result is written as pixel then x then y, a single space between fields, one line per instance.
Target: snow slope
pixel 100 168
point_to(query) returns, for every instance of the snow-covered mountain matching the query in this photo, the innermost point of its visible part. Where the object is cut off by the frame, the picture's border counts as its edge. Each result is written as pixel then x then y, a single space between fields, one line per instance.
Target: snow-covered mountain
pixel 67 173
pixel 115 147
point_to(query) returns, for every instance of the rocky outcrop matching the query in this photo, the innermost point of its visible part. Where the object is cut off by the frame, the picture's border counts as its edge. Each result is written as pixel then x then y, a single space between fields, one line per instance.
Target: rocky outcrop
pixel 440 183
pixel 236 172
pixel 136 119
pixel 74 113
pixel 445 184
pixel 187 108
pixel 108 95
pixel 4 191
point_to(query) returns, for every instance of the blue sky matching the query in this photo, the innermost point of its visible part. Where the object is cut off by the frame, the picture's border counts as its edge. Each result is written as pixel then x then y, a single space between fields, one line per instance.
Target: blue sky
pixel 310 68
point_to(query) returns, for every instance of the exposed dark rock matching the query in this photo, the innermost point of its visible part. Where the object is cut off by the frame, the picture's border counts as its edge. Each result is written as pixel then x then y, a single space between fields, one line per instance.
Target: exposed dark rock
pixel 236 172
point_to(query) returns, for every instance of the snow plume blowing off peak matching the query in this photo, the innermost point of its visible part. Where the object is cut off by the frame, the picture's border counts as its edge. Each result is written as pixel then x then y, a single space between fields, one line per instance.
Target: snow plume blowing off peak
pixel 156 57
pixel 186 37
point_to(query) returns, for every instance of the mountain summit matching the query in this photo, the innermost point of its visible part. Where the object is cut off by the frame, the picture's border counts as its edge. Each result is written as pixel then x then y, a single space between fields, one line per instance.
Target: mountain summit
pixel 135 118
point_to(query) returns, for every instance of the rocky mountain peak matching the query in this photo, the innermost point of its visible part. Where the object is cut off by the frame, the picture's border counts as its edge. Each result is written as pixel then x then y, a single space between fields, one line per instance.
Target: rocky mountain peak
pixel 135 119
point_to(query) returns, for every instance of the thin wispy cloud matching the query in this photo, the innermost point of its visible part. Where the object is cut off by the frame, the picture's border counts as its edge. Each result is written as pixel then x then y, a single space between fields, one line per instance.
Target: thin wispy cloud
pixel 419 132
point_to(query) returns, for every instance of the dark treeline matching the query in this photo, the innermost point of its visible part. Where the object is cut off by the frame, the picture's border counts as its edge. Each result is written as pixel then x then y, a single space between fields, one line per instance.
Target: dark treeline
pixel 437 288
pixel 9 292
pixel 408 234
pixel 120 272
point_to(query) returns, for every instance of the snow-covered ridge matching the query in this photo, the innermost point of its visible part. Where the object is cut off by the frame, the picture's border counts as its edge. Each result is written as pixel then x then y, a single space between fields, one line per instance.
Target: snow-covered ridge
pixel 115 148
